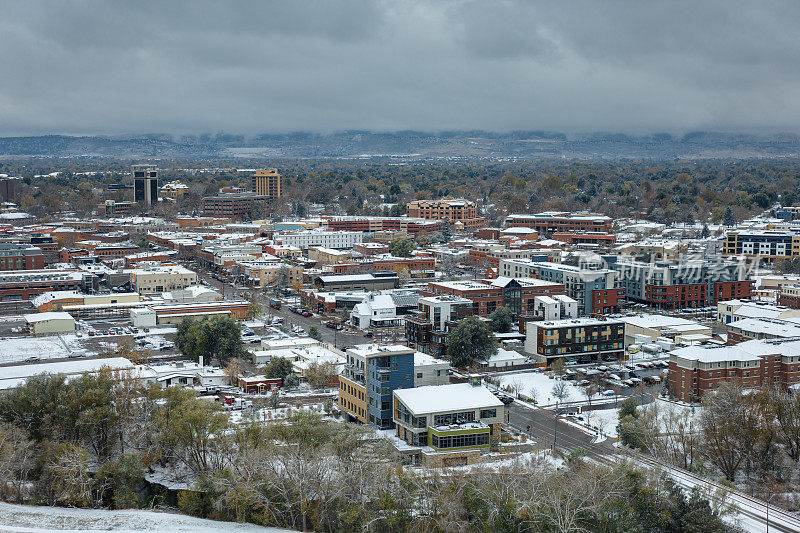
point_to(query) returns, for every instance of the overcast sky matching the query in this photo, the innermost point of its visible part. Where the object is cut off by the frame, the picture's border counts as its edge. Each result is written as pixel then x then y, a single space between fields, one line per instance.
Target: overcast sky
pixel 249 67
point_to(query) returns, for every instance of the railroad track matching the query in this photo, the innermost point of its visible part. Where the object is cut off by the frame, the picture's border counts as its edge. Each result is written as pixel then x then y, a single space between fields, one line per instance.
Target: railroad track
pixel 754 508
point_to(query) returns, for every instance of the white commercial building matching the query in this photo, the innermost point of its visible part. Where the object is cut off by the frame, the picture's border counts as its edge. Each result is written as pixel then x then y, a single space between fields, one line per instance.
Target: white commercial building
pixel 654 327
pixel 326 239
pixel 14 376
pixel 378 310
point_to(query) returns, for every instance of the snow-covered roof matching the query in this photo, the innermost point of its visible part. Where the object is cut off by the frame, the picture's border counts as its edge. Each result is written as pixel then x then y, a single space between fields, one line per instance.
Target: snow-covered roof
pixel 290 342
pixel 51 315
pixel 763 326
pixel 658 321
pixel 47 297
pixel 12 376
pixel 423 359
pixel 447 398
pixel 713 354
pixel 506 355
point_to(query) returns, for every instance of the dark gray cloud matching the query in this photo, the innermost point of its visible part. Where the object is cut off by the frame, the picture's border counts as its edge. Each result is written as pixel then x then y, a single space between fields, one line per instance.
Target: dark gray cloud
pixel 168 66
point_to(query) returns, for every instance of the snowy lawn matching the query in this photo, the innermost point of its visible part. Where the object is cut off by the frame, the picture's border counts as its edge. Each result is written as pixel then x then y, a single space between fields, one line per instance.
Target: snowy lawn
pixel 30 519
pixel 538 386
pixel 13 350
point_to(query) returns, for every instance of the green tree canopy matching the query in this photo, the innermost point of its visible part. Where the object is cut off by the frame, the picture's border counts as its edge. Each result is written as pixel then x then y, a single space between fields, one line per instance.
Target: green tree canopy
pixel 402 246
pixel 214 339
pixel 314 333
pixel 471 340
pixel 278 367
pixel 502 319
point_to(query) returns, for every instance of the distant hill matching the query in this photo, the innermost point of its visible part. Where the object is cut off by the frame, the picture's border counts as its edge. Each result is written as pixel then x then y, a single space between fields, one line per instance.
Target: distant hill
pixel 411 145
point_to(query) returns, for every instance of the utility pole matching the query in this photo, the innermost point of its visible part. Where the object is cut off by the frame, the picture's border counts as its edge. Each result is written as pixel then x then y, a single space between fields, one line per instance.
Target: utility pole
pixel 555 427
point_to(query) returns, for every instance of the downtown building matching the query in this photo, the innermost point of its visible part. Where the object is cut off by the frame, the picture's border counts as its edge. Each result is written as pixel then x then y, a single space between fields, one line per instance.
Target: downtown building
pixel 697 370
pixel 551 222
pixel 266 182
pixel 769 245
pixel 459 210
pixel 372 373
pixel 145 184
pixel 517 294
pixel 409 225
pixel 596 289
pixel 428 328
pixel 582 340
pixel 453 424
pixel 15 256
pixel 684 285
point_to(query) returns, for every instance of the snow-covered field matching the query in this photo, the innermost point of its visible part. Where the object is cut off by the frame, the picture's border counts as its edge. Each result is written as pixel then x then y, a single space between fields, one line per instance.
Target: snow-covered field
pixel 20 348
pixel 30 519
pixel 539 387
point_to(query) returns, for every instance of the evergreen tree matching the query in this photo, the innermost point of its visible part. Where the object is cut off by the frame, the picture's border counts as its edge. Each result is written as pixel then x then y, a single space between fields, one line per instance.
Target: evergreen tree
pixel 471 340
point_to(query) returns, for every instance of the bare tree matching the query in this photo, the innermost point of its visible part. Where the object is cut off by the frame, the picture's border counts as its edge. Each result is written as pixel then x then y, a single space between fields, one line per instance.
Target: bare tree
pixel 16 461
pixel 560 391
pixel 516 384
pixel 723 431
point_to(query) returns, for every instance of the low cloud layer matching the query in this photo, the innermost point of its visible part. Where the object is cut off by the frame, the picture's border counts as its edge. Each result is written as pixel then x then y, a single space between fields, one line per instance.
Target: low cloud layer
pixel 87 67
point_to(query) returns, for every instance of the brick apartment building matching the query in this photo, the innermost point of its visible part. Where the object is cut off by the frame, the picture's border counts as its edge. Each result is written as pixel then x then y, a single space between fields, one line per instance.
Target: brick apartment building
pixel 488 295
pixel 790 296
pixel 25 284
pixel 237 206
pixel 417 267
pixel 685 285
pixel 552 222
pixel 20 257
pixel 695 370
pixel 589 237
pixel 463 211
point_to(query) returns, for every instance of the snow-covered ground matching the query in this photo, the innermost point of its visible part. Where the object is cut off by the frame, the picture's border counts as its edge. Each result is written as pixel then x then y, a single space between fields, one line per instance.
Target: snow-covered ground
pixel 30 519
pixel 539 386
pixel 50 347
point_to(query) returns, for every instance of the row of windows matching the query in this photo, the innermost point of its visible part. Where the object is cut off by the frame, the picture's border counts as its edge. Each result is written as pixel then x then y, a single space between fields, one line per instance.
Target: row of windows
pixel 453 418
pixel 352 408
pixel 460 441
pixel 352 391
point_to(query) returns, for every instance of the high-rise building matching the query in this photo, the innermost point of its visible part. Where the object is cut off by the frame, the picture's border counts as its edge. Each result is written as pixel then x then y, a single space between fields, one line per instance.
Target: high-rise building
pixel 266 182
pixel 7 189
pixel 145 184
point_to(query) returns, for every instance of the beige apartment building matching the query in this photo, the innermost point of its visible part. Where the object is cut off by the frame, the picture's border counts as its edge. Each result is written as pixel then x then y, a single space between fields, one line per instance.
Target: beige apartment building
pixel 266 182
pixel 157 279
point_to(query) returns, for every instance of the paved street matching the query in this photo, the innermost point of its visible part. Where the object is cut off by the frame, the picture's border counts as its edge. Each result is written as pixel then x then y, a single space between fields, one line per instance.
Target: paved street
pixel 544 428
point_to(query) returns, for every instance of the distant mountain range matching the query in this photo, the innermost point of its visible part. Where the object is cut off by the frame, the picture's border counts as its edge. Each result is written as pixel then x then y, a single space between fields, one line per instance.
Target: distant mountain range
pixel 411 145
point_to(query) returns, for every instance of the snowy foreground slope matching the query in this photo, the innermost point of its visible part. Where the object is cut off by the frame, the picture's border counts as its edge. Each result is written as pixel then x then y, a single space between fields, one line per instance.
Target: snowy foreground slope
pixel 26 518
